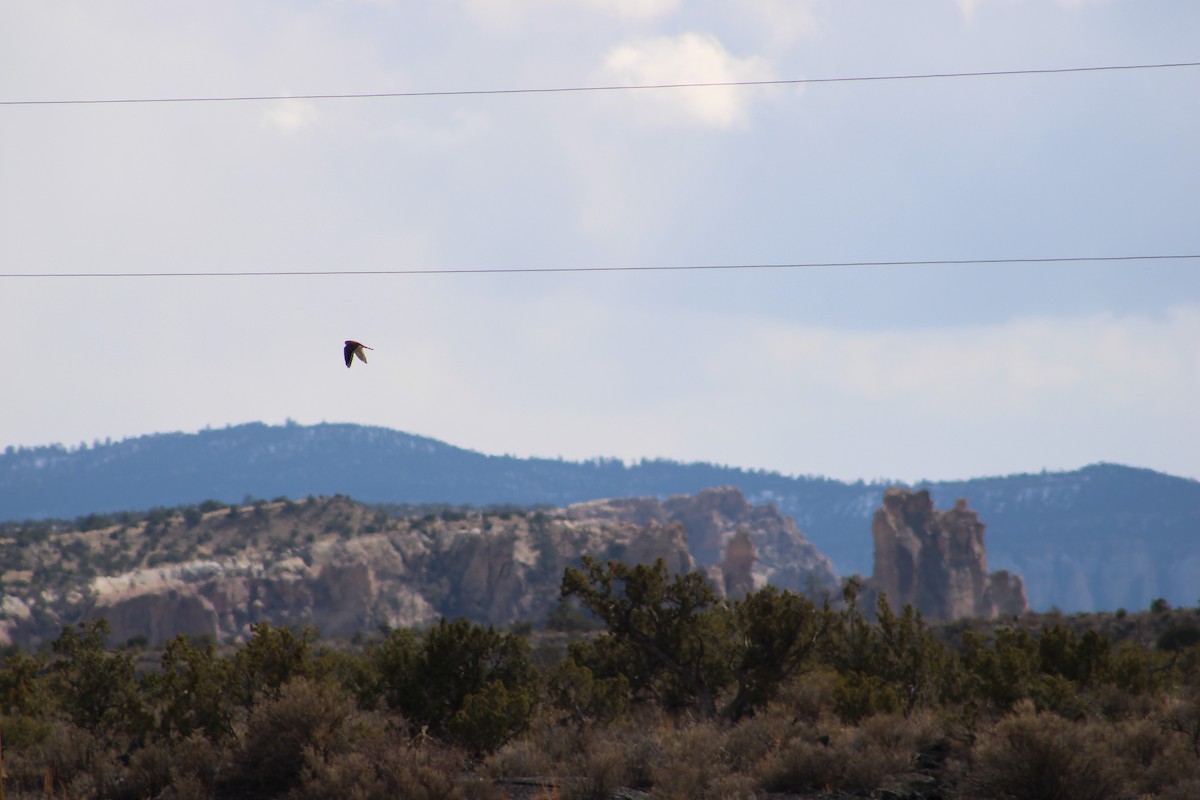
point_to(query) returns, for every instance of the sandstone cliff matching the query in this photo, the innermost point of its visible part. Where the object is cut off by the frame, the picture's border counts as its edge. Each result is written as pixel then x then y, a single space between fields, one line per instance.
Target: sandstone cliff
pixel 936 560
pixel 345 567
pixel 771 549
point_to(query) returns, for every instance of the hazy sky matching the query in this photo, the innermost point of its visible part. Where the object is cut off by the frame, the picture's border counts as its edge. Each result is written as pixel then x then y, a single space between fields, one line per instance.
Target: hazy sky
pixel 898 372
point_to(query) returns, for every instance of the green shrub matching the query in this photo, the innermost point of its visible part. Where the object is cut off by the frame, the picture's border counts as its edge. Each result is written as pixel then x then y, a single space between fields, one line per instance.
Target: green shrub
pixel 1059 695
pixel 1179 636
pixel 22 732
pixel 490 717
pixel 272 657
pixel 193 690
pixel 429 679
pixel 857 696
pixel 23 691
pixel 575 690
pixel 97 689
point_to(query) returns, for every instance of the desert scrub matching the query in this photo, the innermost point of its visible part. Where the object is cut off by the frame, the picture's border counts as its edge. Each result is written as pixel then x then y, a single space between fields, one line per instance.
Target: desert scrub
pixel 752 742
pixel 521 758
pixel 1154 759
pixel 383 766
pixel 807 696
pixel 599 770
pixel 306 723
pixel 881 753
pixel 1034 756
pixel 693 764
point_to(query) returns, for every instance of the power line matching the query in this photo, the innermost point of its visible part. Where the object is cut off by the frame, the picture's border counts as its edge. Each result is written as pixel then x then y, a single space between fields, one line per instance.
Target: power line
pixel 553 270
pixel 608 88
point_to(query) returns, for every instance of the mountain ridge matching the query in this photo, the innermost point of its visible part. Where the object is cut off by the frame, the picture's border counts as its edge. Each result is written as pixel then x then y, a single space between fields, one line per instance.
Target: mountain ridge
pixel 1101 537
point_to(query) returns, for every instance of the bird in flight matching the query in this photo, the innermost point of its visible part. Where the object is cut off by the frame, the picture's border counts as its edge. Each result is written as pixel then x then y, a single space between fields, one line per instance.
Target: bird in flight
pixel 353 349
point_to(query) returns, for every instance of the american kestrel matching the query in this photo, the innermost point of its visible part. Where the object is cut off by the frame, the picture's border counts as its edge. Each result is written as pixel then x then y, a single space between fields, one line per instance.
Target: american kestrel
pixel 353 349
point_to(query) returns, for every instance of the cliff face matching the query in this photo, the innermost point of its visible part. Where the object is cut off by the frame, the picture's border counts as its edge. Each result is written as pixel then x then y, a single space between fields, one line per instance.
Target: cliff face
pixel 344 567
pixel 745 546
pixel 936 560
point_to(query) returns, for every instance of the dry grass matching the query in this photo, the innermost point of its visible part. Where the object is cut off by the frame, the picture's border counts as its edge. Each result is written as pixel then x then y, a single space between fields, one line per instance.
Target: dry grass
pixel 522 758
pixel 694 765
pixel 884 752
pixel 598 771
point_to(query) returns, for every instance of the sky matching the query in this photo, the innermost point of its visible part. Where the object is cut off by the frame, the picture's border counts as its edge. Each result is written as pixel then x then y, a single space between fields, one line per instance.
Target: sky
pixel 903 372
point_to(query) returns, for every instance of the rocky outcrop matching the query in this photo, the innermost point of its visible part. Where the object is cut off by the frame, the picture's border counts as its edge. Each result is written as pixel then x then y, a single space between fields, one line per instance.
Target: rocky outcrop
pixel 345 568
pixel 737 570
pixel 158 615
pixel 936 561
pixel 720 518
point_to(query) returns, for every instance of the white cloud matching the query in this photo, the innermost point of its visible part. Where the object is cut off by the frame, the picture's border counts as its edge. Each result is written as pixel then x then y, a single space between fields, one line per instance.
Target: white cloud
pixel 1021 369
pixel 687 58
pixel 290 116
pixel 507 14
pixel 783 20
pixel 970 8
pixel 1023 395
pixel 631 9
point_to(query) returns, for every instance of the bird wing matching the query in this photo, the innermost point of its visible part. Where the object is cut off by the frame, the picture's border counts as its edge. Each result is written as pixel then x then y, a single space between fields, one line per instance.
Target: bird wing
pixel 353 349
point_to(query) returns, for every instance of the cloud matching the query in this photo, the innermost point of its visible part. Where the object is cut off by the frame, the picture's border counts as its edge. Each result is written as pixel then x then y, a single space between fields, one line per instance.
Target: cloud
pixel 970 8
pixel 1016 370
pixel 784 20
pixel 1022 395
pixel 697 369
pixel 509 13
pixel 591 366
pixel 290 116
pixel 687 58
pixel 633 9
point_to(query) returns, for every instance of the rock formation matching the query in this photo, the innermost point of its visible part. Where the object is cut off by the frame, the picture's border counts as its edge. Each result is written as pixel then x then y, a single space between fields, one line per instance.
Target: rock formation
pixel 935 560
pixel 344 567
pixel 737 570
pixel 713 519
